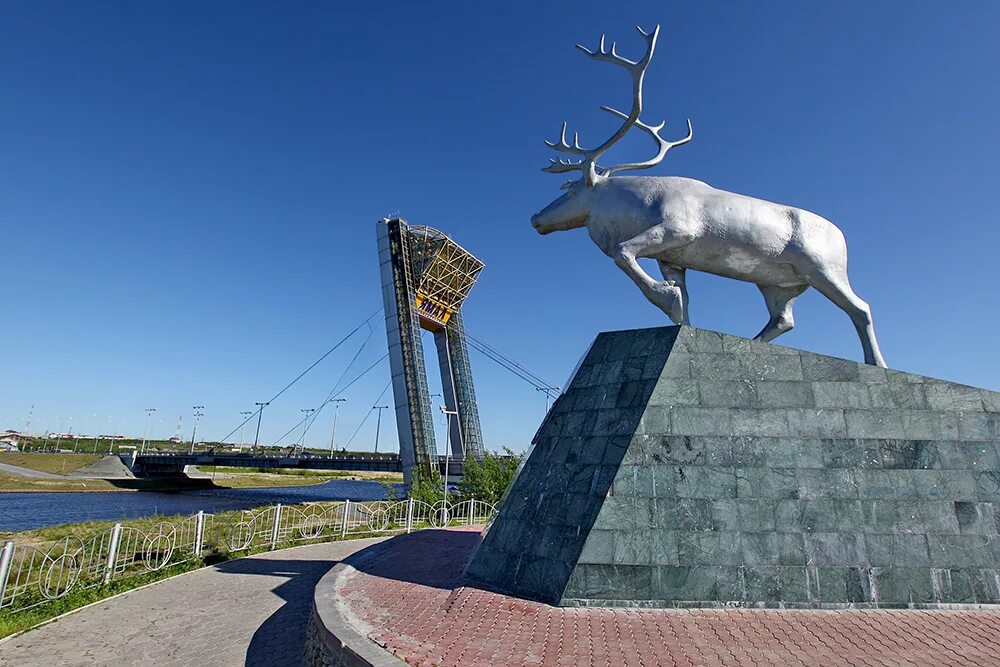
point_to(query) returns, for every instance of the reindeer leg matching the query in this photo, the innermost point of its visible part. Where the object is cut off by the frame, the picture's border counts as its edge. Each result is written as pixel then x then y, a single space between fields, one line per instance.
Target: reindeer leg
pixel 665 295
pixel 779 302
pixel 837 288
pixel 677 277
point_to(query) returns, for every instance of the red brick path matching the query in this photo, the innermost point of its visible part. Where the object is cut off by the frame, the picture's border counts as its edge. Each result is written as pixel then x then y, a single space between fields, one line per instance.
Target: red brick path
pixel 405 589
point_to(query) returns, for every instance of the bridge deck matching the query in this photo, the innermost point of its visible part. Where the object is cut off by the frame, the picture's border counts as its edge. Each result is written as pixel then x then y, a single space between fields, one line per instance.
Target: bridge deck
pixel 174 463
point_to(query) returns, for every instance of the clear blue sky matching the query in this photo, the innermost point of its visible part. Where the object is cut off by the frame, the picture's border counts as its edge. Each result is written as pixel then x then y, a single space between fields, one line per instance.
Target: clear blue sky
pixel 188 191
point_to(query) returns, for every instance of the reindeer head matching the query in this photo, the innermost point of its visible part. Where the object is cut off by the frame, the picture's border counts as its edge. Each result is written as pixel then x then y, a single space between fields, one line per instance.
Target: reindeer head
pixel 572 209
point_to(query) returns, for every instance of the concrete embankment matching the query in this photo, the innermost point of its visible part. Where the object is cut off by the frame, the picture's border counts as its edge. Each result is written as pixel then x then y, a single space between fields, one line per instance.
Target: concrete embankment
pixel 109 467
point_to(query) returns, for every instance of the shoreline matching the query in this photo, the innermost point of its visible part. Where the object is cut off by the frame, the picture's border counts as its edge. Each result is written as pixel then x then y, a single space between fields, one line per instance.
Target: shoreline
pixel 184 487
pixel 3 491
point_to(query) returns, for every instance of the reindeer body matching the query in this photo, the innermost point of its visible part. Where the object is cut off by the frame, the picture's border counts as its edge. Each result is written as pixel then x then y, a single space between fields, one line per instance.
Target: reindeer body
pixel 728 234
pixel 687 224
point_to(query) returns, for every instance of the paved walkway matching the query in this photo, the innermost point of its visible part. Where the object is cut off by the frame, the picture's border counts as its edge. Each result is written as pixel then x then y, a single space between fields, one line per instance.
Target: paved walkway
pixel 250 611
pixel 405 594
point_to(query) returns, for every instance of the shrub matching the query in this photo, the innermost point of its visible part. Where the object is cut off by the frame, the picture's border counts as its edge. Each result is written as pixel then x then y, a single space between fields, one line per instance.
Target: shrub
pixel 429 489
pixel 490 479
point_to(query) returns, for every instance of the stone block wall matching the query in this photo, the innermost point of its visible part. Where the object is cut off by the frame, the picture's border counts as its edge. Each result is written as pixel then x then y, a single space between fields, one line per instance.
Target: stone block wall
pixel 689 468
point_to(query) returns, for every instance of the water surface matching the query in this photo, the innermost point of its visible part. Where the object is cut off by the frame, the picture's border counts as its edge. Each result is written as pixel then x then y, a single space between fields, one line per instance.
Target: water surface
pixel 26 511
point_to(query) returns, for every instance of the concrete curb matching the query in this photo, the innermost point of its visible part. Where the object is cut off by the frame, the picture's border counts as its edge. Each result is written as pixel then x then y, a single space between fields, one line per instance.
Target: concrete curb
pixel 334 638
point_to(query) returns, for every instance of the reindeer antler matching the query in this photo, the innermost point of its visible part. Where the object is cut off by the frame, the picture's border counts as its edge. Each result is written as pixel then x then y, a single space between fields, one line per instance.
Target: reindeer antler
pixel 588 162
pixel 654 132
pixel 561 166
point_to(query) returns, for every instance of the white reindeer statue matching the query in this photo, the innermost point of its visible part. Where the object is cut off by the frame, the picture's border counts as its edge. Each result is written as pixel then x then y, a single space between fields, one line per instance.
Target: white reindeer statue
pixel 687 224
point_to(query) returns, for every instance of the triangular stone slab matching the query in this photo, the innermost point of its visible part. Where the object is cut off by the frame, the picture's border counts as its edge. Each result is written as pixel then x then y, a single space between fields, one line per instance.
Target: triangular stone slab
pixel 684 467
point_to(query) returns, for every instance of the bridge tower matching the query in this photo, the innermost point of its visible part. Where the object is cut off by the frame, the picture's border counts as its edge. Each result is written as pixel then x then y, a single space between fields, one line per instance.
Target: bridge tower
pixel 426 278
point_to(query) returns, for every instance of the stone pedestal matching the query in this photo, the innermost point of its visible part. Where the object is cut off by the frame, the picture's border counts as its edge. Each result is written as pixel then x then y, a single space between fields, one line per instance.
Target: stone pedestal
pixel 689 468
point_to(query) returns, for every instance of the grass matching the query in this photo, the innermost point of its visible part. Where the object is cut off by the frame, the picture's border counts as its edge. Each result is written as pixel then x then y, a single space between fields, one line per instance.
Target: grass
pixel 224 477
pixel 234 477
pixel 14 483
pixel 58 464
pixel 264 480
pixel 45 537
pixel 104 446
pixel 303 472
pixel 87 529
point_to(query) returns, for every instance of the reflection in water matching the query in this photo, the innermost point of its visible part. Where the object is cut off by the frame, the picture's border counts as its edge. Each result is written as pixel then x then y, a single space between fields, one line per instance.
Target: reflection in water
pixel 25 511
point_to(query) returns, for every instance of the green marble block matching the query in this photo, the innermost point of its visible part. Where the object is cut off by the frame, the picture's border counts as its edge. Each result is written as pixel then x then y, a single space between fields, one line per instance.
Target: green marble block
pixel 687 468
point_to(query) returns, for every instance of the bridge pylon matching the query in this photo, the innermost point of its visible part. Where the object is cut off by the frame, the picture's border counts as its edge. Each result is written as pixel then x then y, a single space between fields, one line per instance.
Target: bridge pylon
pixel 426 278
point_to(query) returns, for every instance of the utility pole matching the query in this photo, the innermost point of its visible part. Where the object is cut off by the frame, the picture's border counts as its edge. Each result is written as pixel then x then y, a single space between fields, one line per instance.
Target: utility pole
pixel 447 452
pixel 378 424
pixel 246 417
pixel 336 412
pixel 305 428
pixel 260 415
pixel 198 414
pixel 145 433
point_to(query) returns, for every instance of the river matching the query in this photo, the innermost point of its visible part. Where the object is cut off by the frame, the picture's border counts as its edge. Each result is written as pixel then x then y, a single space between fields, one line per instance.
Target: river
pixel 27 511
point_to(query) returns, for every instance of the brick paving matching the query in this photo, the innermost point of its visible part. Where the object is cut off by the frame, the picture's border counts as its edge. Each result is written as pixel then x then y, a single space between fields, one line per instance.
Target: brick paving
pixel 407 591
pixel 251 611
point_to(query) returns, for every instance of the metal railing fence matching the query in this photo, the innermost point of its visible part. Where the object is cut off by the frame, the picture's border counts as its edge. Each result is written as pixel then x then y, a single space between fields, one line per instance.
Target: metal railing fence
pixel 33 574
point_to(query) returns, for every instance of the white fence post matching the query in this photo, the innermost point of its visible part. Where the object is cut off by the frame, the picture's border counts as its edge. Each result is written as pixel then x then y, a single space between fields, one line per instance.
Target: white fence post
pixel 109 568
pixel 199 533
pixel 343 524
pixel 472 512
pixel 409 515
pixel 6 558
pixel 276 525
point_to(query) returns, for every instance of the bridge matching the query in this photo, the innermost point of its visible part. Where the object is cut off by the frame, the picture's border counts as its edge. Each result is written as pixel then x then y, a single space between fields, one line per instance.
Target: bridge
pixel 174 463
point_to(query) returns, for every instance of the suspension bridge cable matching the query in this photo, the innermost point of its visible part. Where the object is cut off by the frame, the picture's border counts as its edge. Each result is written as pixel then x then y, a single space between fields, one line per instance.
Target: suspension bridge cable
pixel 384 389
pixel 483 344
pixel 303 373
pixel 346 387
pixel 509 364
pixel 506 361
pixel 314 415
pixel 502 363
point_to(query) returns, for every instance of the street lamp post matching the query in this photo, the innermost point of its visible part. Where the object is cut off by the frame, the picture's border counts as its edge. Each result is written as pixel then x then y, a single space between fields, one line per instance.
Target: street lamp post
pixel 97 436
pixel 198 414
pixel 447 453
pixel 260 415
pixel 336 413
pixel 111 435
pixel 145 433
pixel 305 428
pixel 243 427
pixel 61 424
pixel 548 395
pixel 378 424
